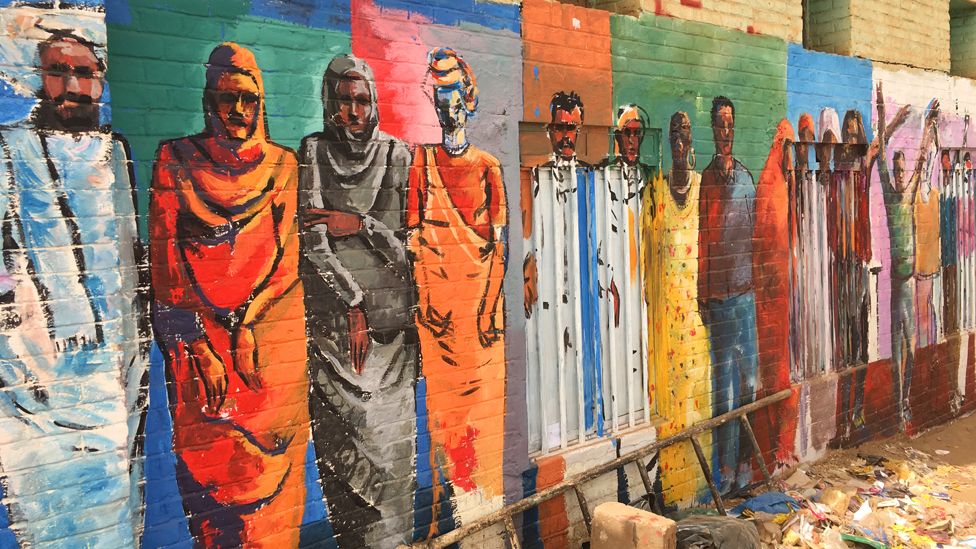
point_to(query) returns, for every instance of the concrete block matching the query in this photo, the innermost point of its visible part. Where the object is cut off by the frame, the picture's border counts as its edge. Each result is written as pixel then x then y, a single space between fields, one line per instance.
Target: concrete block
pixel 619 526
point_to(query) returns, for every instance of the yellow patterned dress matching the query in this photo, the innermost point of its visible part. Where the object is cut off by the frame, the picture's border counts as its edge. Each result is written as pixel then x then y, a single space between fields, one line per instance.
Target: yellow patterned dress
pixel 678 358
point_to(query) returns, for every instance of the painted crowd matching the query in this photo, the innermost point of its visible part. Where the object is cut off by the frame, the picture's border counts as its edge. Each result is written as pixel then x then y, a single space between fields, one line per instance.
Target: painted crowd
pixel 298 297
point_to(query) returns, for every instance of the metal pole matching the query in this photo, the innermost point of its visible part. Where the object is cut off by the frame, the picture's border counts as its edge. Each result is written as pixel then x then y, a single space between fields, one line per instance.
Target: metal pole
pixel 755 447
pixel 716 497
pixel 512 533
pixel 557 489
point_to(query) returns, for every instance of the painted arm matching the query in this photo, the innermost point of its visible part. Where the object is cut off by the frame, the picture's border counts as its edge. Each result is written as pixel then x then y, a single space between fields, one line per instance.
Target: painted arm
pixel 26 351
pixel 924 161
pixel 178 316
pixel 882 142
pixel 315 237
pixel 530 273
pixel 491 321
pixel 135 349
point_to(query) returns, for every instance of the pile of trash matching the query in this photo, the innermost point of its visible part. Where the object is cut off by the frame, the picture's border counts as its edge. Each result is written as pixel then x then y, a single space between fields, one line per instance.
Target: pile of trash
pixel 870 501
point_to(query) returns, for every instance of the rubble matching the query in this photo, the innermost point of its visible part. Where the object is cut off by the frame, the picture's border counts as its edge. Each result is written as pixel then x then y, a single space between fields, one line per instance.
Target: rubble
pixel 885 495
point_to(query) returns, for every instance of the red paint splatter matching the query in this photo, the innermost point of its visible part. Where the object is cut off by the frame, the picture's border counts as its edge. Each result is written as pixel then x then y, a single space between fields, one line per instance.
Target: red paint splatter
pixel 691 3
pixel 463 457
pixel 751 30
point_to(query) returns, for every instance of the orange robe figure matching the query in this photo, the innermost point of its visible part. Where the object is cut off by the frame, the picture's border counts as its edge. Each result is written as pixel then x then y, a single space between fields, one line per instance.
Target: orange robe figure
pixel 229 316
pixel 774 426
pixel 456 205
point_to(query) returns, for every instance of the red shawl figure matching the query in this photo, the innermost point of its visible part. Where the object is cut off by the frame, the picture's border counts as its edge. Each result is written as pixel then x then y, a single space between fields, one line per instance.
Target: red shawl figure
pixel 775 425
pixel 229 316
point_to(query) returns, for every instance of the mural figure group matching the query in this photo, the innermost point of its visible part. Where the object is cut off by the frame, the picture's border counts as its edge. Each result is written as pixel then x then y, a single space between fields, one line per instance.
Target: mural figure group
pixel 350 296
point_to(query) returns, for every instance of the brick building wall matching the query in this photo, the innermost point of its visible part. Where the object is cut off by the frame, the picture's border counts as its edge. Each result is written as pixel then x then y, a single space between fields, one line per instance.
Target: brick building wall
pixel 961 43
pixel 359 273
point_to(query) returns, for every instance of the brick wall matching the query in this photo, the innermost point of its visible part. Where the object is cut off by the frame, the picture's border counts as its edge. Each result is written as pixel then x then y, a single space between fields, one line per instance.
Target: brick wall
pixel 890 32
pixel 780 18
pixel 963 58
pixel 242 305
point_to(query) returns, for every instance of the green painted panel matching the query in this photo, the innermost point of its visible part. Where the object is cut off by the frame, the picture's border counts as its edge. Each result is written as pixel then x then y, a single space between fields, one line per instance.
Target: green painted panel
pixel 158 64
pixel 667 65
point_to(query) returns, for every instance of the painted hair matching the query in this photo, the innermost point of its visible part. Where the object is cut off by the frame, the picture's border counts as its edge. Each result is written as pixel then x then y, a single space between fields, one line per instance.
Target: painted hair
pixel 562 101
pixel 860 137
pixel 448 69
pixel 718 104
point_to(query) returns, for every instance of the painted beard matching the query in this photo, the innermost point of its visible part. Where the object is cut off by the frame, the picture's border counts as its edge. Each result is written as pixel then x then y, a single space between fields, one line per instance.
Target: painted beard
pixel 82 116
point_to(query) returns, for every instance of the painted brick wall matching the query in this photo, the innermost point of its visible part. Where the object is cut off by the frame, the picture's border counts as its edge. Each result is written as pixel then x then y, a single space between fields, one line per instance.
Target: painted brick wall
pixel 244 303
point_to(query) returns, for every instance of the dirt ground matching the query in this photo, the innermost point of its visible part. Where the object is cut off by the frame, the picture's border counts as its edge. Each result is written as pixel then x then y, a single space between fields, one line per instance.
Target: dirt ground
pixel 958 438
pixel 896 493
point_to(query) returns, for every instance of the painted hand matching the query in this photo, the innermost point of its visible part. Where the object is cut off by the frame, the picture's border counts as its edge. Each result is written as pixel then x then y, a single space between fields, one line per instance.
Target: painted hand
pixel 616 302
pixel 488 332
pixel 530 277
pixel 212 372
pixel 245 357
pixel 337 223
pixel 358 339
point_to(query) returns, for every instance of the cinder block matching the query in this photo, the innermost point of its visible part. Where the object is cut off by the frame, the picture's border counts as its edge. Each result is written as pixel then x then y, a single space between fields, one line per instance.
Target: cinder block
pixel 619 526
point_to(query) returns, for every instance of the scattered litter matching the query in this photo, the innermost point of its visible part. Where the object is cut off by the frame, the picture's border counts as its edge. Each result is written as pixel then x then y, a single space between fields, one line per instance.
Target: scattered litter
pixel 900 500
pixel 770 502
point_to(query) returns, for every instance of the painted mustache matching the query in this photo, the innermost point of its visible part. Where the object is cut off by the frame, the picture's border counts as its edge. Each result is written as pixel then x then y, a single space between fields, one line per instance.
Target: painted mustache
pixel 566 143
pixel 74 98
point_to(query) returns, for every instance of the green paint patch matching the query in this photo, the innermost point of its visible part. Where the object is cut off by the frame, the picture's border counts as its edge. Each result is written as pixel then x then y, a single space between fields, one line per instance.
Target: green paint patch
pixel 668 65
pixel 158 64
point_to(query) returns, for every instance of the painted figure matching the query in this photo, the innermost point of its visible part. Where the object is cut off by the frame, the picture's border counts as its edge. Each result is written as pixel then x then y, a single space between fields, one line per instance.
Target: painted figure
pixel 563 308
pixel 72 353
pixel 899 191
pixel 928 246
pixel 849 240
pixel 726 298
pixel 229 315
pixel 619 184
pixel 457 216
pixel 359 299
pixel 775 426
pixel 677 340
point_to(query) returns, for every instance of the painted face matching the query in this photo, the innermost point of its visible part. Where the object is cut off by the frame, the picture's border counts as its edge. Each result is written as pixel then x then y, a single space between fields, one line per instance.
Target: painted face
pixel 355 105
pixel 723 130
pixel 787 156
pixel 825 151
pixel 898 171
pixel 851 131
pixel 563 131
pixel 680 139
pixel 451 111
pixel 629 141
pixel 237 99
pixel 72 81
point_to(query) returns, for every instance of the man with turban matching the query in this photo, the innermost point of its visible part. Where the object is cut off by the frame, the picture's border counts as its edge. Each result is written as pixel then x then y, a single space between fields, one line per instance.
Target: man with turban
pixel 456 211
pixel 359 299
pixel 620 183
pixel 229 315
pixel 72 344
pixel 562 309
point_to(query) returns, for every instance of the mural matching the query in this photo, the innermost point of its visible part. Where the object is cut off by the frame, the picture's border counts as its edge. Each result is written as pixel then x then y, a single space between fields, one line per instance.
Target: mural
pixel 72 354
pixel 228 313
pixel 326 344
pixel 363 349
pixel 457 216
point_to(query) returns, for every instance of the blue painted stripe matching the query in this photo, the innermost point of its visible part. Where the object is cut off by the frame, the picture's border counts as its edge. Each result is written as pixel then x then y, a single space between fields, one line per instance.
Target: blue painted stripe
pixel 590 304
